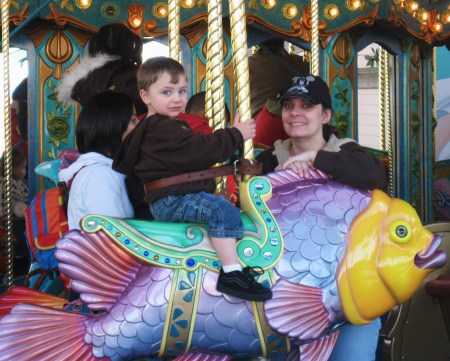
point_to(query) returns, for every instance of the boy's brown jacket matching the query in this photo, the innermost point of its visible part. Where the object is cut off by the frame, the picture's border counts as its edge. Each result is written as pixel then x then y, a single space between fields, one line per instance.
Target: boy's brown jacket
pixel 161 147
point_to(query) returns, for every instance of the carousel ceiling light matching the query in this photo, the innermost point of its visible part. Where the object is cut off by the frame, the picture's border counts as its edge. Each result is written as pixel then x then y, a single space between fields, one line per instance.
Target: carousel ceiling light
pixel 161 10
pixel 83 4
pixel 437 27
pixel 187 3
pixel 354 4
pixel 269 4
pixel 446 17
pixel 412 6
pixel 290 11
pixel 331 11
pixel 135 21
pixel 423 15
pixel 110 10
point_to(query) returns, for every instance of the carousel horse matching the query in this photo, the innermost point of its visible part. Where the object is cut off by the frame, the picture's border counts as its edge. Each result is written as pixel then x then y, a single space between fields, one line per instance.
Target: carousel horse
pixel 332 255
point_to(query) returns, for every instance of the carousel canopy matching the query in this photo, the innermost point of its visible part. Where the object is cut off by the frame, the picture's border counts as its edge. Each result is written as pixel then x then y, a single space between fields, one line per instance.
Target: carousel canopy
pixel 428 21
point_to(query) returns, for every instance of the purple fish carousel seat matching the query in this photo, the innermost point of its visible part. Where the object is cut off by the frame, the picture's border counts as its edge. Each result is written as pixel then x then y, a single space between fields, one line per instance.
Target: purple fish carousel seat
pixel 331 253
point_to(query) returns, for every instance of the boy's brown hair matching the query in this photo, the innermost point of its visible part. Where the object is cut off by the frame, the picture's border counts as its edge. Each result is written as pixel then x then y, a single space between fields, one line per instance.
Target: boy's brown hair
pixel 152 68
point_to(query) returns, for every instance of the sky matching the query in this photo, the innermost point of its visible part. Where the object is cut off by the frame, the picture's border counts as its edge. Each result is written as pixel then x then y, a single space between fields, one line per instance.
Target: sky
pixel 153 49
pixel 18 70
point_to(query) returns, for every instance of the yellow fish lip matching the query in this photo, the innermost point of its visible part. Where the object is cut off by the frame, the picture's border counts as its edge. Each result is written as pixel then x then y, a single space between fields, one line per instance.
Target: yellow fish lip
pixel 432 257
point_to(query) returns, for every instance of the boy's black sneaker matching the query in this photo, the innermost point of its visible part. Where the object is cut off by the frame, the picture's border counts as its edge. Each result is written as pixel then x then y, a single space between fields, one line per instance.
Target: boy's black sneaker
pixel 243 285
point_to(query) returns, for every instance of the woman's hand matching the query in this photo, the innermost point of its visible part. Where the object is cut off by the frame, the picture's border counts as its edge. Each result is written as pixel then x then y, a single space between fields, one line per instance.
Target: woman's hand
pixel 247 128
pixel 300 163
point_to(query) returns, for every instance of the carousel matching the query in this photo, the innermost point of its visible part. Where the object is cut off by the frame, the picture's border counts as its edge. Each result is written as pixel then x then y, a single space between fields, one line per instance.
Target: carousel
pixel 133 289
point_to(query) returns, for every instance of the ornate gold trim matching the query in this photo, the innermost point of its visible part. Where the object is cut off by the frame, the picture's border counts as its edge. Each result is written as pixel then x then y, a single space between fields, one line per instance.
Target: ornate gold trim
pixel 63 20
pixel 367 20
pixel 181 312
pixel 426 34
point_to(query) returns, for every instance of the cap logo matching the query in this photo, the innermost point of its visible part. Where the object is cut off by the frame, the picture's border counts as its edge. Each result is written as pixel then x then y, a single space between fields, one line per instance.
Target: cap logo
pixel 300 85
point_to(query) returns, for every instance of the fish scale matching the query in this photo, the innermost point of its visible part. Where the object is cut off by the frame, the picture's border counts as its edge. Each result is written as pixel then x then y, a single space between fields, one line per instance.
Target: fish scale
pixel 223 325
pixel 307 221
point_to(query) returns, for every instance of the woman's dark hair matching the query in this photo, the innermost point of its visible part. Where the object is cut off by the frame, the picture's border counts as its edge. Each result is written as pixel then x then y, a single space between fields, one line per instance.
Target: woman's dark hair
pixel 117 39
pixel 329 129
pixel 17 158
pixel 117 75
pixel 20 94
pixel 102 122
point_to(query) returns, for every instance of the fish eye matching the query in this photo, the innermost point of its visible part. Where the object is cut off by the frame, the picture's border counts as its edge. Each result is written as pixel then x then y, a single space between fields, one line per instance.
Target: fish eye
pixel 400 232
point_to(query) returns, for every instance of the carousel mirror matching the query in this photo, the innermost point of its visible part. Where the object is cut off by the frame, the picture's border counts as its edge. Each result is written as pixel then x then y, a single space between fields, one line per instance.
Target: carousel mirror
pixel 373 111
pixel 374 104
pixel 369 129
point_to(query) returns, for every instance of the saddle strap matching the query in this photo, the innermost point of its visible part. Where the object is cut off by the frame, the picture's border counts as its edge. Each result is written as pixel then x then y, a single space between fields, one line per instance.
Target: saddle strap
pixel 240 166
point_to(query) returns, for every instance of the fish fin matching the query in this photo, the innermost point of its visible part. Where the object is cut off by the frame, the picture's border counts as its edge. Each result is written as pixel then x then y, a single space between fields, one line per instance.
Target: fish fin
pixel 203 356
pixel 32 332
pixel 310 317
pixel 100 270
pixel 286 176
pixel 19 294
pixel 319 350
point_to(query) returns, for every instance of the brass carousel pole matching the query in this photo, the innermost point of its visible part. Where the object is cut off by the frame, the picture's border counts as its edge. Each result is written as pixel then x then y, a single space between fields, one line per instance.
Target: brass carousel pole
pixel 208 97
pixel 215 98
pixel 240 64
pixel 174 30
pixel 434 102
pixel 314 63
pixel 382 96
pixel 384 87
pixel 387 117
pixel 7 137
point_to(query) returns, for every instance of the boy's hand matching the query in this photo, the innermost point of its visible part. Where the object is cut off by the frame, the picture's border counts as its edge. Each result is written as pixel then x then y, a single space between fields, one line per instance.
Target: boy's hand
pixel 247 128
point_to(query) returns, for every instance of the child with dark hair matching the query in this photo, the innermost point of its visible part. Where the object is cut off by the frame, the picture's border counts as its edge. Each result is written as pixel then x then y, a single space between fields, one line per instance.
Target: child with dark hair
pixel 163 146
pixel 19 199
pixel 194 114
pixel 103 123
pixel 19 190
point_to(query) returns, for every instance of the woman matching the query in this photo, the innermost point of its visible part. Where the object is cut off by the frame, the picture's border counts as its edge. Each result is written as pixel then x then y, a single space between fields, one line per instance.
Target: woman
pixel 112 59
pixel 313 143
pixel 95 188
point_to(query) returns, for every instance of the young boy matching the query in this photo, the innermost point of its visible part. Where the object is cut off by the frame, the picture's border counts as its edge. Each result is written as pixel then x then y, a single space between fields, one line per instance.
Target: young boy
pixel 163 146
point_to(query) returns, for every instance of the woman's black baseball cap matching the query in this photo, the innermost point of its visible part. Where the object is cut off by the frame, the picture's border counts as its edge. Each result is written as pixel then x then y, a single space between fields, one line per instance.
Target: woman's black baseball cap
pixel 309 87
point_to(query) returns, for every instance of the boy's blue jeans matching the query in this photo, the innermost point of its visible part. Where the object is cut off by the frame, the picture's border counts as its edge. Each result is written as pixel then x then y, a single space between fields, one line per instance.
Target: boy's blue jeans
pixel 223 219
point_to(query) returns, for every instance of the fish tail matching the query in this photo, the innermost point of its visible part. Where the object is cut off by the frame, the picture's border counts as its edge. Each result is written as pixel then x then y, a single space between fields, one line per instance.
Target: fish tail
pixel 319 350
pixel 19 294
pixel 31 332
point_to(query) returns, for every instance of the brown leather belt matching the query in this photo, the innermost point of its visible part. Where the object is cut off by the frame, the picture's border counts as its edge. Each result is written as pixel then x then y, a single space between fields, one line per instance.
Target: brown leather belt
pixel 241 167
